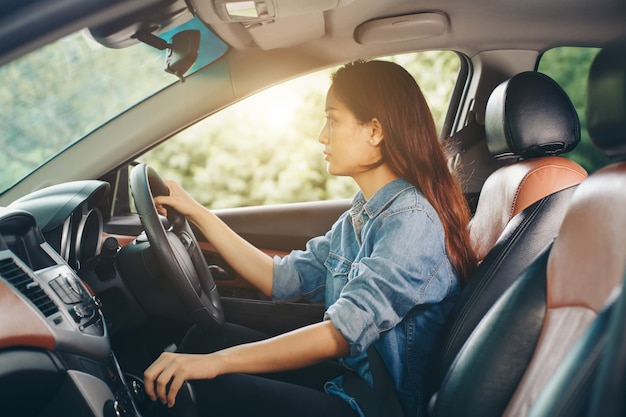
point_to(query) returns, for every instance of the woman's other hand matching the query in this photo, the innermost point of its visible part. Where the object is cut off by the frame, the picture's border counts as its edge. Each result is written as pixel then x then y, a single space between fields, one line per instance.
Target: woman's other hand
pixel 164 378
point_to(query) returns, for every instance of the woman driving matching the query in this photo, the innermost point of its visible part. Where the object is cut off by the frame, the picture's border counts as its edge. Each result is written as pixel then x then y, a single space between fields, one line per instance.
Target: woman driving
pixel 388 269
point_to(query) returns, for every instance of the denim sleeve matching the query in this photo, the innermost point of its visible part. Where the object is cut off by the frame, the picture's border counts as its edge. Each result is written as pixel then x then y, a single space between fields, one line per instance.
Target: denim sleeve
pixel 301 274
pixel 405 265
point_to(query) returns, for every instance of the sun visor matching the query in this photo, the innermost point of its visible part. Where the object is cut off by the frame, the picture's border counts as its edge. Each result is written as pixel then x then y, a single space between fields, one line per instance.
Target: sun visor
pixel 270 35
pixel 224 11
pixel 263 23
pixel 402 28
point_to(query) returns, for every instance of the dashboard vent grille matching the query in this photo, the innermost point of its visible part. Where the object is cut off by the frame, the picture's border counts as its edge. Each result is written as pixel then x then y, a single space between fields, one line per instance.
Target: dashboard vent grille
pixel 16 276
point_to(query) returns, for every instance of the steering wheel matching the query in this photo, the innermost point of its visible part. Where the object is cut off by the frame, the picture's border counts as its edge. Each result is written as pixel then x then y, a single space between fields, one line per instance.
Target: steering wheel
pixel 176 250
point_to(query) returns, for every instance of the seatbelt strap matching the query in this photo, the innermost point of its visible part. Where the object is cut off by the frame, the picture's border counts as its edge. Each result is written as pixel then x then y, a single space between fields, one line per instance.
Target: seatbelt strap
pixel 382 401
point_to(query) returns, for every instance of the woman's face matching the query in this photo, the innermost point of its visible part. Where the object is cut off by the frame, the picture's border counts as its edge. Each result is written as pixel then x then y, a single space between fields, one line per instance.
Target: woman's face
pixel 350 146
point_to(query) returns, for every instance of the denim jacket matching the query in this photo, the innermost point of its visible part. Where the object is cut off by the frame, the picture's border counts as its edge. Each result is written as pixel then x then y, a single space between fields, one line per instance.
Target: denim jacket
pixel 385 277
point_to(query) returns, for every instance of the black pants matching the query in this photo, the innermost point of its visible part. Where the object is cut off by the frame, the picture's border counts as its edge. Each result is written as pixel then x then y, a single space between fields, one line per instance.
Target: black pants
pixel 293 393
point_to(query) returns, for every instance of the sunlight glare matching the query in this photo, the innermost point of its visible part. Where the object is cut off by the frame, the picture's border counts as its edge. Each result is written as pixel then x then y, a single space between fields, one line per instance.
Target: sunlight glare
pixel 276 106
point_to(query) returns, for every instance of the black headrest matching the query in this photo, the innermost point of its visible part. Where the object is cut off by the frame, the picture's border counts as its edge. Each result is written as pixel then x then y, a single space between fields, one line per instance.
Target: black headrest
pixel 606 100
pixel 530 115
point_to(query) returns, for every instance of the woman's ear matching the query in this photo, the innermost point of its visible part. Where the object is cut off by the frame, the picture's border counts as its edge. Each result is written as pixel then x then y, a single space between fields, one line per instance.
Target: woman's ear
pixel 376 132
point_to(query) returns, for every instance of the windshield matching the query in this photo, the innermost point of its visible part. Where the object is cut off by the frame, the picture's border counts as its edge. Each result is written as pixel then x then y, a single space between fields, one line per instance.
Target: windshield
pixel 59 93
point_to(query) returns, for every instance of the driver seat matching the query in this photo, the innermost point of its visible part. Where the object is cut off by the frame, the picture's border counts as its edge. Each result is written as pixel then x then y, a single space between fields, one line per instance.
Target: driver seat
pixel 529 119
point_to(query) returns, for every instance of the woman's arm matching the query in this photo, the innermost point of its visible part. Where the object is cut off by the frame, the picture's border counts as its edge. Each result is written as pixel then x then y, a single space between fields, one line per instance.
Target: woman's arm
pixel 251 263
pixel 293 350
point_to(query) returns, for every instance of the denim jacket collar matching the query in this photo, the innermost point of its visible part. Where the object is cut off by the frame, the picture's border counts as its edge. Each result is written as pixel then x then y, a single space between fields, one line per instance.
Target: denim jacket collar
pixel 379 201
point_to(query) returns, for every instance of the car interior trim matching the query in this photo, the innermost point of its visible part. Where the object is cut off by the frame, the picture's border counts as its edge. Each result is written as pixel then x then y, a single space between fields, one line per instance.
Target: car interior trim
pixel 26 327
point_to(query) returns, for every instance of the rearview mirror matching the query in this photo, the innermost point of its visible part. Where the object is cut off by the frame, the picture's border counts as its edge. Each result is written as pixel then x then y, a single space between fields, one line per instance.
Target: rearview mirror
pixel 182 52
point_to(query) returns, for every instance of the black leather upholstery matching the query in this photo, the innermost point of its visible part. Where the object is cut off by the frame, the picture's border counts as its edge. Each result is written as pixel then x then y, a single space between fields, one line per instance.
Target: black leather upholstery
pixel 522 241
pixel 484 376
pixel 530 115
pixel 607 393
pixel 527 233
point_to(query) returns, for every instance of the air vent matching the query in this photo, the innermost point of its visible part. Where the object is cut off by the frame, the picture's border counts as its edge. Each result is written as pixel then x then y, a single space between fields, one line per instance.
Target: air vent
pixel 16 276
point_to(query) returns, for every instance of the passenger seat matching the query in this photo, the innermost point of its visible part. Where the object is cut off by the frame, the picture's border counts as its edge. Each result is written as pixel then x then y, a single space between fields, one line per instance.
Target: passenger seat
pixel 531 119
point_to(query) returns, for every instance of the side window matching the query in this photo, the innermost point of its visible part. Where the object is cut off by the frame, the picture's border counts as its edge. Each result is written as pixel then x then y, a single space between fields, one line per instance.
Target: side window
pixel 569 66
pixel 264 149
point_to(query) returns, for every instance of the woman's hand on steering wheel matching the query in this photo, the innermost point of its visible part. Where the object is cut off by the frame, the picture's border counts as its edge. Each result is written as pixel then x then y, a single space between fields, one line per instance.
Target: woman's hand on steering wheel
pixel 178 199
pixel 176 248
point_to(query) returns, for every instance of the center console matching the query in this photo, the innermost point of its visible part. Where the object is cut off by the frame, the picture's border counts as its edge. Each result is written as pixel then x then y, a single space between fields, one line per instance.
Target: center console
pixel 55 354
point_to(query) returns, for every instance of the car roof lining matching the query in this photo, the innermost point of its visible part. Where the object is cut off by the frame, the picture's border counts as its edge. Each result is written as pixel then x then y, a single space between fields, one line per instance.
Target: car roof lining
pixel 245 76
pixel 467 35
pixel 333 31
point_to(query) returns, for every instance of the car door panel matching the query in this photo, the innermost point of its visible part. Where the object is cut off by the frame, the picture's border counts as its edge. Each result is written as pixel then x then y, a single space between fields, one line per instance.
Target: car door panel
pixel 276 230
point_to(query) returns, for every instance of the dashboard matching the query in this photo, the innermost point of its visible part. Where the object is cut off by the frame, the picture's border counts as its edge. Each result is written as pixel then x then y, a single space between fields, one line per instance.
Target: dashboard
pixel 69 216
pixel 55 353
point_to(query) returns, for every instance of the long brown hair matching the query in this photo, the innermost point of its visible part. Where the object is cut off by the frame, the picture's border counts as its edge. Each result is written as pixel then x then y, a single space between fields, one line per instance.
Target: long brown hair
pixel 387 92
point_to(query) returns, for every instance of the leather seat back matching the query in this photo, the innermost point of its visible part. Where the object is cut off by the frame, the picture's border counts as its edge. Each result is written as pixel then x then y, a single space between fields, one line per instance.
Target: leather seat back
pixel 521 205
pixel 531 118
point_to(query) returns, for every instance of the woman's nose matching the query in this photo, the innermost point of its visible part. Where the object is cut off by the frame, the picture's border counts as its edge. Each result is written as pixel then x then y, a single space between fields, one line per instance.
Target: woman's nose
pixel 323 135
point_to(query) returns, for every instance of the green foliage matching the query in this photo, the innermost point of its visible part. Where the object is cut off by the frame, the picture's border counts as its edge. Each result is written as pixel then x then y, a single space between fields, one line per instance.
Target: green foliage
pixel 436 73
pixel 246 156
pixel 57 94
pixel 264 150
pixel 242 156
